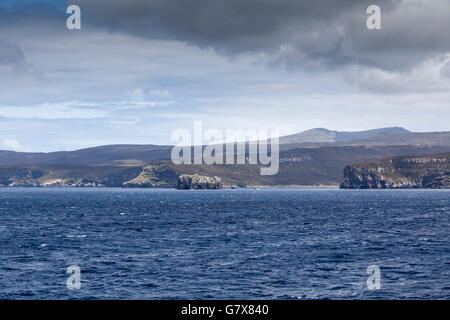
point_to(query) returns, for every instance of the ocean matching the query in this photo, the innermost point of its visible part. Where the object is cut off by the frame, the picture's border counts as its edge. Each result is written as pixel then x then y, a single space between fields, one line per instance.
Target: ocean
pixel 280 243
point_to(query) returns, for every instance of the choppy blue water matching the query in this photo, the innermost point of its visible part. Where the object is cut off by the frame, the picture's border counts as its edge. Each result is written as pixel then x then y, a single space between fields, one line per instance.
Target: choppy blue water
pixel 224 244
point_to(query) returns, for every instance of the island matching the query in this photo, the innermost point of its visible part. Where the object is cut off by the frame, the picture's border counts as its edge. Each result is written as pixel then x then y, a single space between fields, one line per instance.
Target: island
pixel 195 181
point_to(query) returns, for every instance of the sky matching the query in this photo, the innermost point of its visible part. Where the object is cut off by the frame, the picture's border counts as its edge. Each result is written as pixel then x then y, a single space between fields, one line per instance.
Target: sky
pixel 139 69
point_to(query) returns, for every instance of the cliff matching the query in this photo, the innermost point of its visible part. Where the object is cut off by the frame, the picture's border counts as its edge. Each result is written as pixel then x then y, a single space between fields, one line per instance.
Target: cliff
pixel 186 181
pixel 430 171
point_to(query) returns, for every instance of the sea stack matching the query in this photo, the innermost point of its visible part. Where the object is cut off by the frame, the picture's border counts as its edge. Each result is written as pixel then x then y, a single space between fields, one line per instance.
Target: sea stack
pixel 195 181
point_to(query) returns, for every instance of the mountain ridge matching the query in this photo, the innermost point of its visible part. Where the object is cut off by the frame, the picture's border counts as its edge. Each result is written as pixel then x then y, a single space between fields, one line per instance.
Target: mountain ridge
pixel 326 135
pixel 130 154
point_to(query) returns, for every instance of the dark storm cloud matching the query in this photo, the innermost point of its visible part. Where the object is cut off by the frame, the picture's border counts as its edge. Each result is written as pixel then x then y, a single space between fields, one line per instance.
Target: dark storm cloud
pixel 235 26
pixel 213 21
pixel 323 33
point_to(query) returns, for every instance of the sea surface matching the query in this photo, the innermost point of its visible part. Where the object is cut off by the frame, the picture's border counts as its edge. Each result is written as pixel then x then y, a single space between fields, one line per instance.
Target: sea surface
pixel 224 244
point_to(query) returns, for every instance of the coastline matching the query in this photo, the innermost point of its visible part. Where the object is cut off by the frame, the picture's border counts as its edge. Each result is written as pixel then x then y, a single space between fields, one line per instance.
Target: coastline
pixel 168 188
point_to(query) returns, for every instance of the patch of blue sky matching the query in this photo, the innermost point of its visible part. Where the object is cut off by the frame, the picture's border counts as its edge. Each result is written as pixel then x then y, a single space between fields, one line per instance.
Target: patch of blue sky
pixel 31 5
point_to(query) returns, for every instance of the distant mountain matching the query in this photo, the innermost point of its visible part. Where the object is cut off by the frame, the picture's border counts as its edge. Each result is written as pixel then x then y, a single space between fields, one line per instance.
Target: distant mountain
pixel 144 154
pixel 404 138
pixel 325 135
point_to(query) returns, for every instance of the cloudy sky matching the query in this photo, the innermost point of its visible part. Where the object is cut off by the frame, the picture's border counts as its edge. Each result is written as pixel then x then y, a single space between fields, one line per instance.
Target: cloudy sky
pixel 138 69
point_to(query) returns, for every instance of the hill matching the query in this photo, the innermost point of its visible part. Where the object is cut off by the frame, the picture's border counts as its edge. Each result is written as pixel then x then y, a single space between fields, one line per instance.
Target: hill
pixel 324 135
pixel 144 154
pixel 111 154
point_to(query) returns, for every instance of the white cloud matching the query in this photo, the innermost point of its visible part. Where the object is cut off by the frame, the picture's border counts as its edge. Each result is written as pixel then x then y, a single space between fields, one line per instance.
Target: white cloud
pixel 12 144
pixel 427 77
pixel 445 70
pixel 159 93
pixel 136 93
pixel 77 109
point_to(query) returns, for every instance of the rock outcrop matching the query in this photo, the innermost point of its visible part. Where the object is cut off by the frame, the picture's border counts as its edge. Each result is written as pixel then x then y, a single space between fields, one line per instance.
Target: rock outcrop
pixel 432 172
pixel 157 175
pixel 195 181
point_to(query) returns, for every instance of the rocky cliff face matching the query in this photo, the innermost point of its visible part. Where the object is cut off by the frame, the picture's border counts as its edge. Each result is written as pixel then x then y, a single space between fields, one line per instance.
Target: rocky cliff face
pixel 400 172
pixel 198 182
